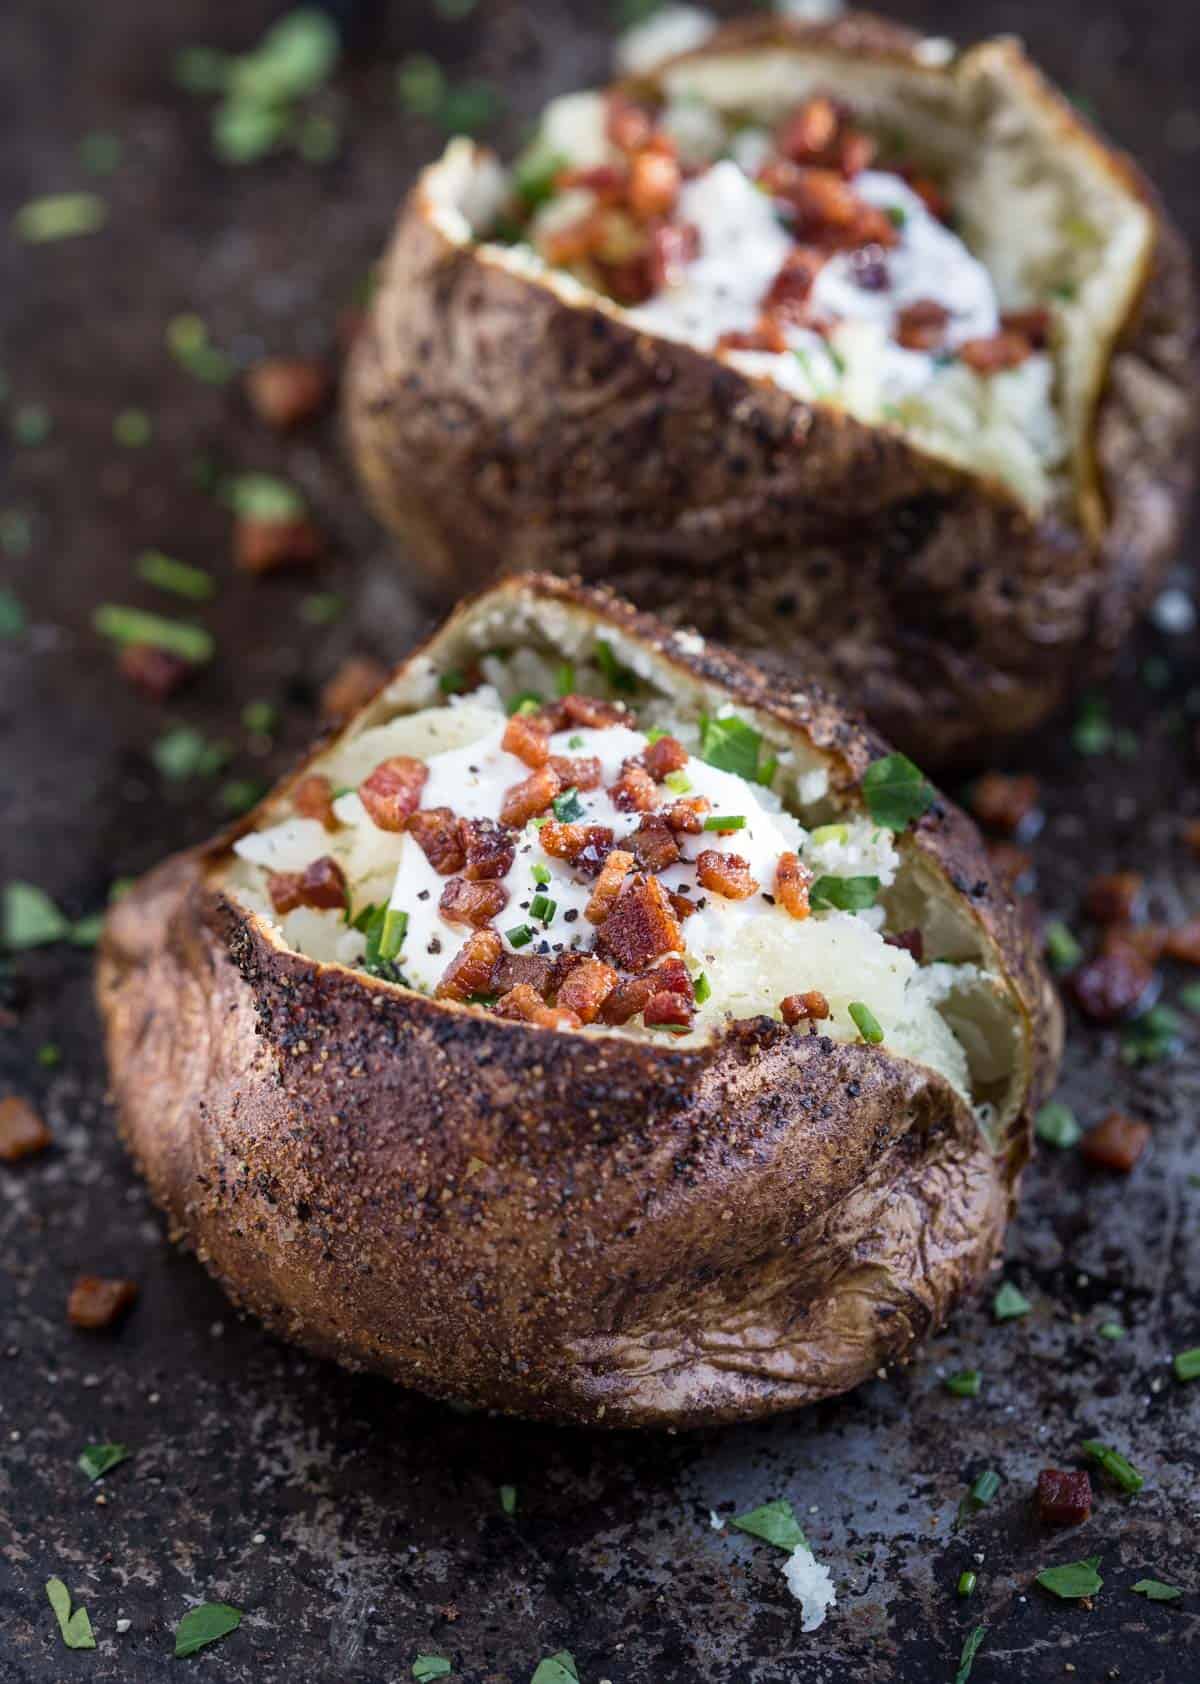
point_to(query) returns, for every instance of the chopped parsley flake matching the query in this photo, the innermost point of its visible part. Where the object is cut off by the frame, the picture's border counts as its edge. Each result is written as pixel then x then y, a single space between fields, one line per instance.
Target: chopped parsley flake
pixel 567 806
pixel 896 792
pixel 1073 1579
pixel 12 615
pixel 847 894
pixel 1009 1303
pixel 1152 1038
pixel 1156 1591
pixel 556 1669
pixel 1057 1125
pixel 702 989
pixel 430 1666
pixel 617 676
pixel 204 1625
pixel 969 1651
pixel 98 1459
pixel 527 701
pixel 731 745
pixel 75 1627
pixel 775 1523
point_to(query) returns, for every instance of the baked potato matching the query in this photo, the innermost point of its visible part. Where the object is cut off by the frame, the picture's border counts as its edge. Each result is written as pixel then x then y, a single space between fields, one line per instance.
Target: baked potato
pixel 586 1031
pixel 844 347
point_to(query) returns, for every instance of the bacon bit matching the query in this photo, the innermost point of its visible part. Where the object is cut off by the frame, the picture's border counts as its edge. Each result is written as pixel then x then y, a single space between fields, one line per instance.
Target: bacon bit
pixel 635 790
pixel 576 241
pixel 1000 352
pixel 1033 325
pixel 285 391
pixel 663 756
pixel 1183 942
pixel 767 336
pixel 681 906
pixel 1109 986
pixel 634 994
pixel 532 969
pixel 911 941
pixel 1003 802
pixel 264 546
pixel 352 686
pixel 524 801
pixel 687 817
pixel 154 671
pixel 787 296
pixel 725 874
pixel 653 844
pixel 1116 1142
pixel 321 885
pixel 312 798
pixel 1113 897
pixel 667 1010
pixel 791 885
pixel 584 771
pixel 921 325
pixel 585 989
pixel 1144 941
pixel 464 902
pixel 435 831
pixel 528 737
pixel 608 183
pixel 627 125
pixel 828 212
pixel 641 927
pixel 800 1008
pixel 654 183
pixel 820 132
pixel 22 1131
pixel 1063 1499
pixel 392 793
pixel 472 968
pixel 525 1005
pixel 609 884
pixel 590 711
pixel 96 1302
pixel 563 841
pixel 672 248
pixel 489 851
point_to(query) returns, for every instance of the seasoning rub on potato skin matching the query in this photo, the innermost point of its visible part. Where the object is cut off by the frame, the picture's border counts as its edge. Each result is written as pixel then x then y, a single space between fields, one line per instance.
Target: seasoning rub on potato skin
pixel 601 1228
pixel 504 416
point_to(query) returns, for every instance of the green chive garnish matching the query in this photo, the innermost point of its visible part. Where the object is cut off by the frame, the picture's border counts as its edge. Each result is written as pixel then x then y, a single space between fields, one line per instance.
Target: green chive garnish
pixel 678 782
pixel 966 1383
pixel 725 821
pixel 567 806
pixel 543 908
pixel 540 874
pixel 395 928
pixel 1187 1364
pixel 527 701
pixel 521 936
pixel 1122 1472
pixel 967 1582
pixel 866 1023
pixel 564 682
pixel 132 625
pixel 178 577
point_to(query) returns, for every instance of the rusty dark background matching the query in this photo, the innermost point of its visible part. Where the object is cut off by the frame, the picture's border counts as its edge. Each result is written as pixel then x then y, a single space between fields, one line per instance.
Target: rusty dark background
pixel 357 1525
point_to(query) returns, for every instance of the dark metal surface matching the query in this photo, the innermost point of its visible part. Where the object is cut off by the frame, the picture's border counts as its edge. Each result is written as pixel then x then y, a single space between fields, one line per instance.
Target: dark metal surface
pixel 357 1525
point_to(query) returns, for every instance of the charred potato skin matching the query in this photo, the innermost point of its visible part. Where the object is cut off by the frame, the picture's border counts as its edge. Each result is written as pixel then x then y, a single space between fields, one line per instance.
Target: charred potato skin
pixel 588 1229
pixel 497 427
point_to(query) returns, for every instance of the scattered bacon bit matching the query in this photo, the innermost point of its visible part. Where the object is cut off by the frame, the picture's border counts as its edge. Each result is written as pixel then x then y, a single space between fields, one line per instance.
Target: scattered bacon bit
pixel 563 841
pixel 681 906
pixel 264 546
pixel 321 885
pixel 799 1008
pixel 820 132
pixel 912 941
pixel 22 1131
pixel 609 884
pixel 791 885
pixel 767 336
pixel 1004 802
pixel 654 183
pixel 312 798
pixel 1110 985
pixel 97 1302
pixel 590 711
pixel 653 843
pixel 605 181
pixel 628 998
pixel 525 1005
pixel 634 791
pixel 285 391
pixel 1183 942
pixel 1033 325
pixel 583 771
pixel 641 926
pixel 787 297
pixel 921 325
pixel 435 831
pixel 725 874
pixel 477 904
pixel 687 816
pixel 627 125
pixel 1116 1142
pixel 663 756
pixel 1145 941
pixel 527 737
pixel 533 969
pixel 586 987
pixel 666 1010
pixel 524 801
pixel 352 686
pixel 489 851
pixel 472 967
pixel 996 354
pixel 1112 898
pixel 929 193
pixel 1063 1499
pixel 392 793
pixel 154 671
pixel 828 212
pixel 634 995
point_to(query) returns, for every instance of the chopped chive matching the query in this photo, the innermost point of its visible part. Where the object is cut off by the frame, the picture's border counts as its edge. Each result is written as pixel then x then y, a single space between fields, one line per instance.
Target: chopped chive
pixel 897 215
pixel 543 908
pixel 1057 1126
pixel 702 988
pixel 540 873
pixel 265 497
pixel 970 1649
pixel 1187 1364
pixel 527 701
pixel 575 741
pixel 323 608
pixel 1122 1472
pixel 564 681
pixel 395 928
pixel 508 1499
pixel 450 683
pixel 678 782
pixel 725 821
pixel 49 1055
pixel 967 1581
pixel 847 894
pixel 16 538
pixel 985 1487
pixel 183 753
pixel 617 676
pixel 1111 1330
pixel 866 1022
pixel 968 1382
pixel 521 936
pixel 178 577
pixel 567 806
pixel 260 718
pixel 1062 949
pixel 132 428
pixel 837 833
pixel 240 794
pixel 132 625
pixel 60 216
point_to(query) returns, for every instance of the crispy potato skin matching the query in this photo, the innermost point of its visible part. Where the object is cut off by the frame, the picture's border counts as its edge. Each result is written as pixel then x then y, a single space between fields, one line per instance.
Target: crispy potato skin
pixel 497 427
pixel 590 1229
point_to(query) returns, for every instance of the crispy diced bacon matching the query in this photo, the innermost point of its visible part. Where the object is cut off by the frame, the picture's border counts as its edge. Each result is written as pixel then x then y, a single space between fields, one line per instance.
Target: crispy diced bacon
pixel 435 831
pixel 635 791
pixel 828 212
pixel 597 846
pixel 634 994
pixel 608 183
pixel 1109 986
pixel 1183 942
pixel 725 874
pixel 473 967
pixel 392 793
pixel 528 738
pixel 321 885
pixel 912 941
pixel 787 297
pixel 576 240
pixel 156 672
pixel 312 798
pixel 488 850
pixel 590 711
pixel 1116 1142
pixel 264 546
pixel 801 1008
pixel 22 1131
pixel 1033 325
pixel 286 391
pixel 476 904
pixel 767 336
pixel 529 798
pixel 667 1011
pixel 586 987
pixel 586 846
pixel 1063 1499
pixel 792 879
pixel 641 926
pixel 820 132
pixel 525 1005
pixel 581 771
pixel 1004 802
pixel 629 126
pixel 664 755
pixel 97 1302
pixel 996 354
pixel 687 817
pixel 653 843
pixel 609 884
pixel 1112 897
pixel 654 183
pixel 921 325
pixel 532 969
pixel 681 906
pixel 929 193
